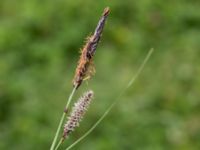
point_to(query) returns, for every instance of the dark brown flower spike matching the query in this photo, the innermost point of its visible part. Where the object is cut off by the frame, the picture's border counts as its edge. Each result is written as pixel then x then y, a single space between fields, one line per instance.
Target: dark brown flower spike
pixel 84 69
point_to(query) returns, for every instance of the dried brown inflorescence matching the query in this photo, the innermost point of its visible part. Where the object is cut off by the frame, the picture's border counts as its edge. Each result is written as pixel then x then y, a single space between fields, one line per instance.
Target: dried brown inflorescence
pixel 85 68
pixel 77 113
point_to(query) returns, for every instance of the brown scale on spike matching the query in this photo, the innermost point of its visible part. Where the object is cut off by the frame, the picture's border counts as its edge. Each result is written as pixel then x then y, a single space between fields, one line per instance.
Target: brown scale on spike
pixel 85 67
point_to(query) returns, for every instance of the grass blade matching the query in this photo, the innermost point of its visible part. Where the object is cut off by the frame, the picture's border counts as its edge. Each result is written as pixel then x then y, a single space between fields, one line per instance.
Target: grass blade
pixel 115 101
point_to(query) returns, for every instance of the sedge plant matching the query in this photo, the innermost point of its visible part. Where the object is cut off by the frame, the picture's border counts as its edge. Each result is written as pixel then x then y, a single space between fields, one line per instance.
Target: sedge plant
pixel 85 69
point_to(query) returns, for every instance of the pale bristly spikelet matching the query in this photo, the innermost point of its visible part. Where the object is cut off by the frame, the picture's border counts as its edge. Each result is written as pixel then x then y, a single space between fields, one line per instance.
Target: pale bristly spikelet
pixel 77 113
pixel 84 69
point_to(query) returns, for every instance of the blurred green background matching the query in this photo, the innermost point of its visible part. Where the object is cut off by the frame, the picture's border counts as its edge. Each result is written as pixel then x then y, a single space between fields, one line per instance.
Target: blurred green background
pixel 39 45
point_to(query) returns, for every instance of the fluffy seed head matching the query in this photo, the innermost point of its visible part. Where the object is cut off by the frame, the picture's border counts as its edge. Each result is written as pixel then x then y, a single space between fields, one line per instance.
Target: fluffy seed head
pixel 77 113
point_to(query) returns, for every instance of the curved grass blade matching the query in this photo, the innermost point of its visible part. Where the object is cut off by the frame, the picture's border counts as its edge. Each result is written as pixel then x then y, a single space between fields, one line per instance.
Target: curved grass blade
pixel 115 101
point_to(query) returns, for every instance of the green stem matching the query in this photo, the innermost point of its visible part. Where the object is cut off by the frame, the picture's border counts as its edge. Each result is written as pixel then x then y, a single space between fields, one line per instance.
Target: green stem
pixel 62 119
pixel 59 143
pixel 115 101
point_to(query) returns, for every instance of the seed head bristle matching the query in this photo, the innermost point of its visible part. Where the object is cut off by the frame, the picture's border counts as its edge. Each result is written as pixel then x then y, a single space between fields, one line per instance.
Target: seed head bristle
pixel 88 51
pixel 77 113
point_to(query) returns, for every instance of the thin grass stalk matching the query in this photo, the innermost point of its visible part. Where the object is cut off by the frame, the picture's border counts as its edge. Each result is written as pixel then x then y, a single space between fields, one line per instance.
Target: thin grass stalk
pixel 62 119
pixel 133 79
pixel 59 143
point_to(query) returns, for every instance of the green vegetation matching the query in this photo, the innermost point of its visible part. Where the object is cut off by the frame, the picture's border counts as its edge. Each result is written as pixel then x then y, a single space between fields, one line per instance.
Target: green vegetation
pixel 39 44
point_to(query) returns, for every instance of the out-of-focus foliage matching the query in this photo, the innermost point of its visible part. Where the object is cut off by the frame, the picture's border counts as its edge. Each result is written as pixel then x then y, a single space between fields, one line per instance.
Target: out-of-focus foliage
pixel 39 44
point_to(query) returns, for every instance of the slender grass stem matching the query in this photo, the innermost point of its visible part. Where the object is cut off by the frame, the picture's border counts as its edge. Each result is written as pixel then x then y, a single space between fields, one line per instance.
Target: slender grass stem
pixel 115 101
pixel 62 118
pixel 59 143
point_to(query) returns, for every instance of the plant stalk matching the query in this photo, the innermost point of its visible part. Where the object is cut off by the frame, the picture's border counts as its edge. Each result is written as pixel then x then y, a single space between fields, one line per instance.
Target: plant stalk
pixel 62 118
